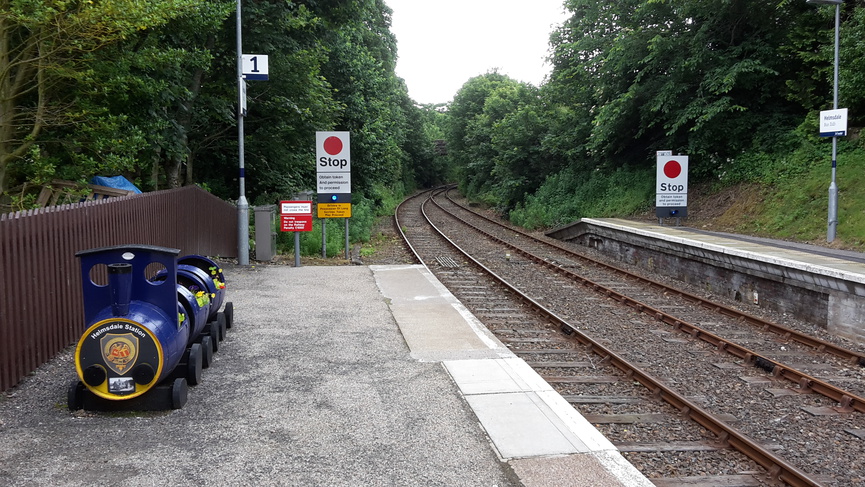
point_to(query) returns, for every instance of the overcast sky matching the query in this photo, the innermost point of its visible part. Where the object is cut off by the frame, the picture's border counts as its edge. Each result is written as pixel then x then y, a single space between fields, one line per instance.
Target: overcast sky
pixel 443 43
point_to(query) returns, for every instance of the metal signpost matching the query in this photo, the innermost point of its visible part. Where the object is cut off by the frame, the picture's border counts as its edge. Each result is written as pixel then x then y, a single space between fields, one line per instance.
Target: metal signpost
pixel 252 66
pixel 830 122
pixel 333 174
pixel 242 204
pixel 671 186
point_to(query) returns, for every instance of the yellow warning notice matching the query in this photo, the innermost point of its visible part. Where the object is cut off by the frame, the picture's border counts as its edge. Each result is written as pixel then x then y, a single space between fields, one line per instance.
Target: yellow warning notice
pixel 334 210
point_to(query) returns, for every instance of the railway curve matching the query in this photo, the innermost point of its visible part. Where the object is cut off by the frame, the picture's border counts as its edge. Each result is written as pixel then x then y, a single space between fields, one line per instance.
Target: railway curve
pixel 708 396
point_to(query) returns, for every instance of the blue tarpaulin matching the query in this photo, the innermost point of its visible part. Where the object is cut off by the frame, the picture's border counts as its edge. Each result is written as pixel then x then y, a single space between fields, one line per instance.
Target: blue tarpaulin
pixel 118 182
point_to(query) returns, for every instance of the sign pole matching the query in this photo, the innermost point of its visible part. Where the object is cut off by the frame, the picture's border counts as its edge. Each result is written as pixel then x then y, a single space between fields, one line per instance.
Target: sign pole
pixel 297 249
pixel 833 187
pixel 347 256
pixel 242 204
pixel 323 237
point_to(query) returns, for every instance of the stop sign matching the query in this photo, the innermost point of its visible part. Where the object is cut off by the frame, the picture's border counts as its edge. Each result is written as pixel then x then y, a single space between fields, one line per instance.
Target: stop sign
pixel 332 152
pixel 672 176
pixel 671 186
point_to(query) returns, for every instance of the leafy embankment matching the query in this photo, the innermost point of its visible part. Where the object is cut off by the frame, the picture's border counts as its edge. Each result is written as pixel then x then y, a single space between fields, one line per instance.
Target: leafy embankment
pixel 775 196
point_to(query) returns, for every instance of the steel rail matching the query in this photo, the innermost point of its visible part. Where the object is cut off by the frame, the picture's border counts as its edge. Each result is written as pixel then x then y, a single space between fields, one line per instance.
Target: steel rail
pixel 777 467
pixel 399 230
pixel 848 401
pixel 787 333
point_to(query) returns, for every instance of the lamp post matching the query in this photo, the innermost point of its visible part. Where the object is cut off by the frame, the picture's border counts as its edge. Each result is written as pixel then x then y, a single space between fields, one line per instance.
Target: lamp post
pixel 833 188
pixel 242 203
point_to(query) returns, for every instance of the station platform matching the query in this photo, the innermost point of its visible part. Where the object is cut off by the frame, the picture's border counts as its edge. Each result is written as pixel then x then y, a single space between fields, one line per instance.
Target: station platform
pixel 812 258
pixel 530 426
pixel 331 375
pixel 414 377
pixel 820 285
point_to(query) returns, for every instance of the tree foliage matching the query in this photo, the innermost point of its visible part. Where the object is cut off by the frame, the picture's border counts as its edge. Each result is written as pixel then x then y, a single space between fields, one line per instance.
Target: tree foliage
pixel 714 79
pixel 149 90
pixel 43 48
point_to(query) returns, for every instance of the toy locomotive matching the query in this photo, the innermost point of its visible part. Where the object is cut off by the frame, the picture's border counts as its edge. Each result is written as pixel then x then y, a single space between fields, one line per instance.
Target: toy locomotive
pixel 153 323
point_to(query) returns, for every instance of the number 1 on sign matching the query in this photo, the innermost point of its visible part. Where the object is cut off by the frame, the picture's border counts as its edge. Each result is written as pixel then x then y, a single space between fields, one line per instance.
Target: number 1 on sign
pixel 255 67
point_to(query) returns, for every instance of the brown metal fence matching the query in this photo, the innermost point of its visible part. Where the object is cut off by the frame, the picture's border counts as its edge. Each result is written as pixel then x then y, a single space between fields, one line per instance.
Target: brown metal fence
pixel 41 310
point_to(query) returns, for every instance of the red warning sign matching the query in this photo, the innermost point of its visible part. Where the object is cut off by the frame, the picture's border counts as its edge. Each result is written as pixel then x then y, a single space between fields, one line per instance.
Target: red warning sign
pixel 296 216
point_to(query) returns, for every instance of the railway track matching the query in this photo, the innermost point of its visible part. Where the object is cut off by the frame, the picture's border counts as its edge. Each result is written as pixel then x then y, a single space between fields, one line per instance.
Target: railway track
pixel 692 392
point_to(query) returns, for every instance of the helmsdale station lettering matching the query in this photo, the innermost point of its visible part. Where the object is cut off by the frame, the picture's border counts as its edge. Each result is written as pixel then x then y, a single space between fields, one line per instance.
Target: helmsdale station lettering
pixel 117 326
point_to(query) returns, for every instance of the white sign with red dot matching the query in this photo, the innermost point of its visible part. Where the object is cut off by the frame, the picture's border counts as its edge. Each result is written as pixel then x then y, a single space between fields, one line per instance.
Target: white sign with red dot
pixel 333 151
pixel 333 162
pixel 671 188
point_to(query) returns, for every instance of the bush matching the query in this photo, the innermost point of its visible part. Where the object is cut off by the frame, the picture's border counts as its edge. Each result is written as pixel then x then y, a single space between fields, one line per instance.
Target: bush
pixel 570 195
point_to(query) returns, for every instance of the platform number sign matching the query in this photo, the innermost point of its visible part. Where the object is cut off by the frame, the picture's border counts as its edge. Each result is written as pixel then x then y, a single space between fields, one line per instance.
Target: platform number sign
pixel 255 67
pixel 671 191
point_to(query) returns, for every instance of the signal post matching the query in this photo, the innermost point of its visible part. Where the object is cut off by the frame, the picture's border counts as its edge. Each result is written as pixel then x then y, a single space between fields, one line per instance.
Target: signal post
pixel 333 174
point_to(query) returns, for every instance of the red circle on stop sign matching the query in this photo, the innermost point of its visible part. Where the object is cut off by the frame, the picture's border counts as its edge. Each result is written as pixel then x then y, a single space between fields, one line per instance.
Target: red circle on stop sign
pixel 672 169
pixel 333 145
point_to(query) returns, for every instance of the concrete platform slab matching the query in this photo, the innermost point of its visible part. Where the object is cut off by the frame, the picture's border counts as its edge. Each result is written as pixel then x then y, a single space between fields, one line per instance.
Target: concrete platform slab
pixel 599 469
pixel 435 324
pixel 520 425
pixel 529 424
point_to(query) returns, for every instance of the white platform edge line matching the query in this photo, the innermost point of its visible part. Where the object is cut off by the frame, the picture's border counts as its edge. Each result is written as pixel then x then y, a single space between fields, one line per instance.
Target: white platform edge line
pixel 813 268
pixel 619 466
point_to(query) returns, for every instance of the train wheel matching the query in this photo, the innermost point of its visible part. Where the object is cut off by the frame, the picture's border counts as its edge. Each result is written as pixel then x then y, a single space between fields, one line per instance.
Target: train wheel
pixel 221 324
pixel 229 314
pixel 75 396
pixel 213 332
pixel 206 352
pixel 179 393
pixel 193 367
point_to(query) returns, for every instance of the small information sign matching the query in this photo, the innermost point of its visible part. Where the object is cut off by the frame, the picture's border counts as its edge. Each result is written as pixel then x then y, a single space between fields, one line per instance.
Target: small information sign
pixel 296 207
pixel 833 123
pixel 296 223
pixel 334 210
pixel 296 216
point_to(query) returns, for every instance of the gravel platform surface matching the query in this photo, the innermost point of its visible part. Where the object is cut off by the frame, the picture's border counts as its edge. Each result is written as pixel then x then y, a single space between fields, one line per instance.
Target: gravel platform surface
pixel 314 385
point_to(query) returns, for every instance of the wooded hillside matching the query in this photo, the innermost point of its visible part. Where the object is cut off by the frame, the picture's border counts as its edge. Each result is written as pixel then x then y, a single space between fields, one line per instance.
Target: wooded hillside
pixel 148 90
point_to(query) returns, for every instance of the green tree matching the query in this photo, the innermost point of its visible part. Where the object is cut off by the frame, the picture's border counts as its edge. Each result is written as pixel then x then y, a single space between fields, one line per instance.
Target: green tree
pixel 469 137
pixel 703 77
pixel 44 47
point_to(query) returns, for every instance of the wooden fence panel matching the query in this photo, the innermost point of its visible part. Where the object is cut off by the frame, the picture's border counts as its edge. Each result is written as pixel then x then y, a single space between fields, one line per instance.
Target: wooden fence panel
pixel 41 309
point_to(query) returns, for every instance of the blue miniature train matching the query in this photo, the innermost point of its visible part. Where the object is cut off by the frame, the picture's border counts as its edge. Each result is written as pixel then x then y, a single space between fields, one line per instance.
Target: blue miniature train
pixel 153 323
